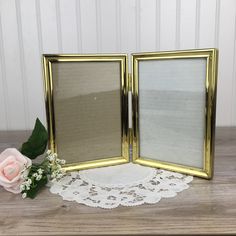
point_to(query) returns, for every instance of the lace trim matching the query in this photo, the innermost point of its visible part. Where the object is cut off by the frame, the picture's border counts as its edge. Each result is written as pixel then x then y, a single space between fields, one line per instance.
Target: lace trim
pixel 159 184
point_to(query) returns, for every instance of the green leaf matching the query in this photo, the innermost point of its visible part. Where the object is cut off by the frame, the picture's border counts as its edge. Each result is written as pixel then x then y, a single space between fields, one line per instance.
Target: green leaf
pixel 37 142
pixel 37 186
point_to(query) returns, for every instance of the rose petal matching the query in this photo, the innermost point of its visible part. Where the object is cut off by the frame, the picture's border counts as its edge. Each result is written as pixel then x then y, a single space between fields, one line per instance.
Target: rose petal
pixel 7 160
pixel 12 170
pixel 4 164
pixel 7 183
pixel 8 152
pixel 13 189
pixel 14 152
pixel 8 157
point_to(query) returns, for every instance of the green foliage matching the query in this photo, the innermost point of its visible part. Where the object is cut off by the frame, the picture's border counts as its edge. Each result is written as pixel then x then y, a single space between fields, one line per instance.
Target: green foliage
pixel 39 174
pixel 37 142
pixel 36 186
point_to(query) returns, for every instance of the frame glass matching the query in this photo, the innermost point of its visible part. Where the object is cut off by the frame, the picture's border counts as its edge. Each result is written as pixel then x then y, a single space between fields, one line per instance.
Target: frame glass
pixel 87 109
pixel 174 99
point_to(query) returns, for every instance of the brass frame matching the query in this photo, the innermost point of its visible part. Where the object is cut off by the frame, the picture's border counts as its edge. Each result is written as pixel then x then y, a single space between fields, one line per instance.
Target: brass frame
pixel 211 56
pixel 48 85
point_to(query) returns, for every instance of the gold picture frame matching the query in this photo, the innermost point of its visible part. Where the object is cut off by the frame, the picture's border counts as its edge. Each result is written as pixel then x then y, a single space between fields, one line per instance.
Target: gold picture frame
pixel 53 65
pixel 209 109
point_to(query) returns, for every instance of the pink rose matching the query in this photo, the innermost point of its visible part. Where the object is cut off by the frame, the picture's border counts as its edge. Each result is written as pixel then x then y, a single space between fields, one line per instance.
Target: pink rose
pixel 12 164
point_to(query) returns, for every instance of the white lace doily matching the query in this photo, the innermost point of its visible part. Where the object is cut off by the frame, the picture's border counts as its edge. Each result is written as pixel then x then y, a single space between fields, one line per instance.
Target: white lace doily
pixel 127 185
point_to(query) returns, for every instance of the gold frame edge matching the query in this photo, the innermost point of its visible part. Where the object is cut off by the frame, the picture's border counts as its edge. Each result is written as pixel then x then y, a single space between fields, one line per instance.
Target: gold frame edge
pixel 211 55
pixel 47 59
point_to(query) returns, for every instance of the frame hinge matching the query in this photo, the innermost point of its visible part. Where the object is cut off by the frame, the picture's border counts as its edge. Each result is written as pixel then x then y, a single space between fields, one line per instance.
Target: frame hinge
pixel 129 81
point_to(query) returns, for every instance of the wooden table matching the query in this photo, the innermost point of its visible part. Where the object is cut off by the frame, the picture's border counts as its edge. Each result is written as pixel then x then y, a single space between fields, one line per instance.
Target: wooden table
pixel 207 207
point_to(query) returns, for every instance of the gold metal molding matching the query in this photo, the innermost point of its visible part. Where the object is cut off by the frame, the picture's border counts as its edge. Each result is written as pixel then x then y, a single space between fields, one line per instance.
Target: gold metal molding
pixel 211 56
pixel 129 82
pixel 47 60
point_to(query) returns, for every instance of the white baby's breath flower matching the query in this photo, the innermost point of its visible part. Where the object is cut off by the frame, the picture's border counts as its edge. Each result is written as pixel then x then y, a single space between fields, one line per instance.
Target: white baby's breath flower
pixel 58 167
pixel 29 181
pixel 62 161
pixel 27 187
pixel 35 174
pixel 24 175
pixel 39 177
pixel 24 195
pixel 22 187
pixel 48 152
pixel 54 155
pixel 57 174
pixel 53 175
pixel 51 158
pixel 55 169
pixel 40 171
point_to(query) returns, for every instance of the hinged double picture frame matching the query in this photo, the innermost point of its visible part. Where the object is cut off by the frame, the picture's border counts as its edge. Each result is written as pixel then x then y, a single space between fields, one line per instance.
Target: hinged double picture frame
pixel 172 107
